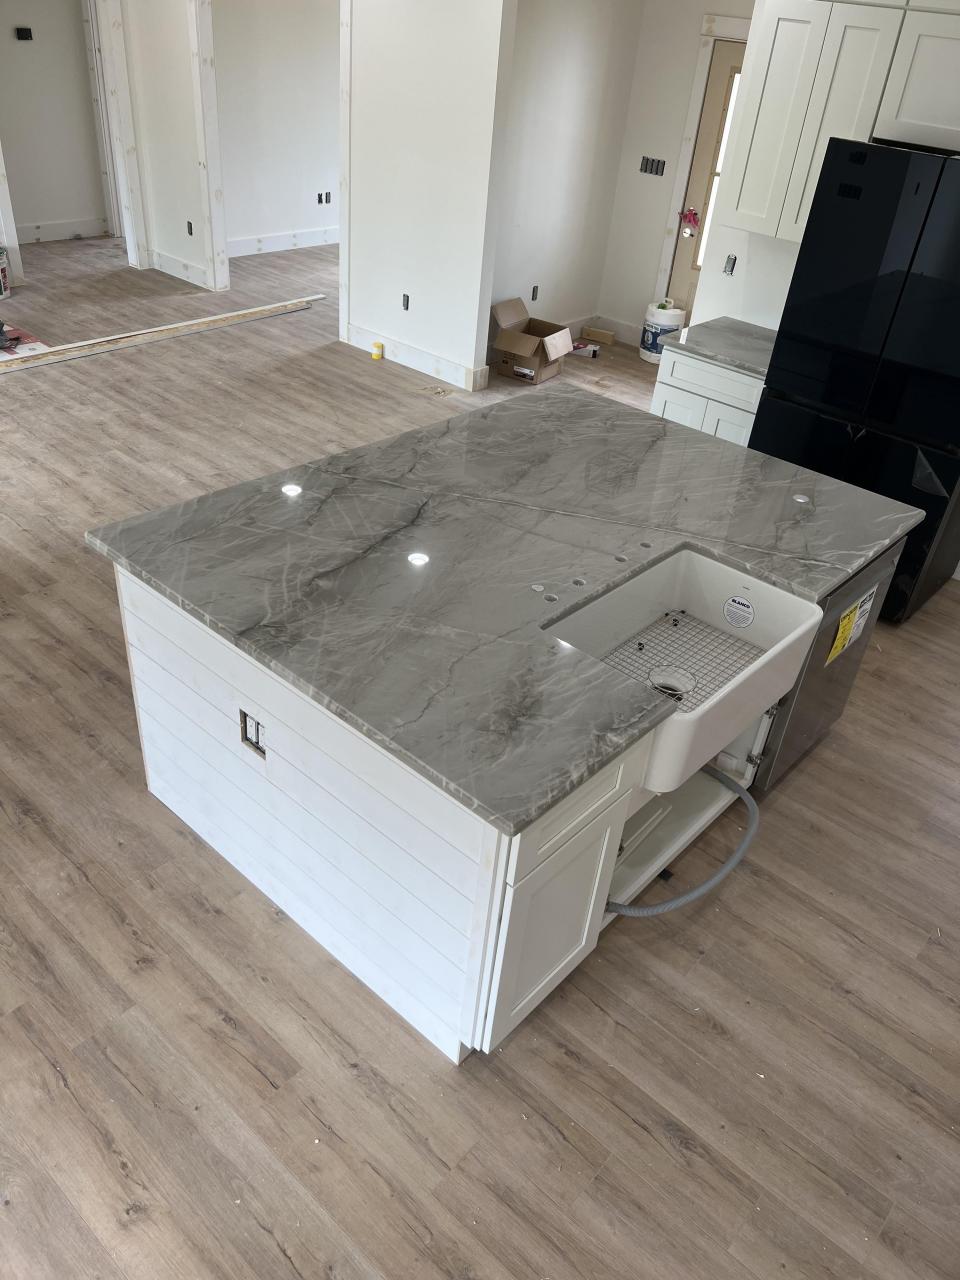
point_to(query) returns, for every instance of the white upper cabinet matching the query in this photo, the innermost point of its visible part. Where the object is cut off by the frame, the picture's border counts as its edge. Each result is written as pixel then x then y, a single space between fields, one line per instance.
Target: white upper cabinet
pixel 779 69
pixel 816 71
pixel 844 101
pixel 921 103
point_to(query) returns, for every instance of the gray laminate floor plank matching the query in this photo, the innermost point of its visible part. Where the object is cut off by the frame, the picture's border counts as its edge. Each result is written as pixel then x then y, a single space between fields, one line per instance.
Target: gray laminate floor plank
pixel 171 1044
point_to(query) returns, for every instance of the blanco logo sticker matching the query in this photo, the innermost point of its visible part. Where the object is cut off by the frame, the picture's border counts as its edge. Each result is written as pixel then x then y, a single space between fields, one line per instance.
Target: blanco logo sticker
pixel 738 612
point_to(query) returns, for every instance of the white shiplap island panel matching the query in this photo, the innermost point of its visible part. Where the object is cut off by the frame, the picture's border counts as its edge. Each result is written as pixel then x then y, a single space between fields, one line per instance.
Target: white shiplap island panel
pixel 405 886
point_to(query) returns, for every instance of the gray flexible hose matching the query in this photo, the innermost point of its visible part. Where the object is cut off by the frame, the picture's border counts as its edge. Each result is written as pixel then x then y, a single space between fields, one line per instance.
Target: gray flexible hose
pixel 671 904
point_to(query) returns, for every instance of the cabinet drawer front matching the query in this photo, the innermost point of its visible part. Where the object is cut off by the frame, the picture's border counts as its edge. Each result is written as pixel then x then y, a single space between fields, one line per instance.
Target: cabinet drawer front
pixel 920 101
pixel 551 920
pixel 710 380
pixel 560 823
pixel 683 407
pixel 725 423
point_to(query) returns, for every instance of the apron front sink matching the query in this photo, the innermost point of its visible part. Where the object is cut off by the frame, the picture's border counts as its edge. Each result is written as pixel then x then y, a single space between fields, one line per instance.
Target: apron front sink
pixel 724 645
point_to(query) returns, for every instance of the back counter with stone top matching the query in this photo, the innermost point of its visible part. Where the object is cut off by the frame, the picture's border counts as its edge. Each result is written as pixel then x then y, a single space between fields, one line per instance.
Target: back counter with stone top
pixel 346 681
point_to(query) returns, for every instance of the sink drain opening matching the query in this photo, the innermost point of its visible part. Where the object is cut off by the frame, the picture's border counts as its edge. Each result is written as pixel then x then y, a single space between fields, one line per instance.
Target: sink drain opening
pixel 673 681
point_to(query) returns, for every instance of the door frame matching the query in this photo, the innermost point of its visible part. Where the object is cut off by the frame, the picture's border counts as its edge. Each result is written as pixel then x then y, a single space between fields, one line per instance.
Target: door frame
pixel 8 226
pixel 207 118
pixel 91 35
pixel 106 28
pixel 113 120
pixel 714 28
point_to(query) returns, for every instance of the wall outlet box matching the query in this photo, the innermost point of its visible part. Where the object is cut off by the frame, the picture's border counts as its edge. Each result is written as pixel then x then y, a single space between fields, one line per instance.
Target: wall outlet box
pixel 23 33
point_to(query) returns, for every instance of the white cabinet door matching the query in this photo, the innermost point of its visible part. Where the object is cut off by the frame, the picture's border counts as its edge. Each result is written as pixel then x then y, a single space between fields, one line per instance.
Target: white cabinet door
pixel 678 406
pixel 779 68
pixel 728 423
pixel 551 920
pixel 921 103
pixel 853 67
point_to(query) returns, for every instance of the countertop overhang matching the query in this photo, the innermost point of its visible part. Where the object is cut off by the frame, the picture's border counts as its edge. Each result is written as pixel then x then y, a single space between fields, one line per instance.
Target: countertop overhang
pixel 445 663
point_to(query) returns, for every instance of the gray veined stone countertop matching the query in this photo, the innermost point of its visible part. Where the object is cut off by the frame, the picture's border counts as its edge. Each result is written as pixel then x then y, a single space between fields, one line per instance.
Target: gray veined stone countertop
pixel 446 665
pixel 732 343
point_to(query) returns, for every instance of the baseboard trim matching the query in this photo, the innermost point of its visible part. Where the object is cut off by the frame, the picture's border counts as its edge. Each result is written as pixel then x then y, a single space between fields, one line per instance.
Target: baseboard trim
pixel 244 246
pixel 68 229
pixel 576 325
pixel 423 361
pixel 624 329
pixel 188 271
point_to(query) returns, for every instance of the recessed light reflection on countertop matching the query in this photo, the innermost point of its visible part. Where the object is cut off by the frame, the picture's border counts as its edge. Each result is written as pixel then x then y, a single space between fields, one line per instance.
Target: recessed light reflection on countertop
pixel 291 490
pixel 419 558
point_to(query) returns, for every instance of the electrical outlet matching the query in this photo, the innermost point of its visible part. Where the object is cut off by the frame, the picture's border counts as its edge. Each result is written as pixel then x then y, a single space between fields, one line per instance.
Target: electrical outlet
pixel 730 264
pixel 327 201
pixel 406 302
pixel 319 197
pixel 535 294
pixel 189 227
pixel 252 734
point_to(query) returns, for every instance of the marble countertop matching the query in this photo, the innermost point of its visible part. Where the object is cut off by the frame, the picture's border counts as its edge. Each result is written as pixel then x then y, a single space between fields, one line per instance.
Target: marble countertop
pixel 734 343
pixel 446 664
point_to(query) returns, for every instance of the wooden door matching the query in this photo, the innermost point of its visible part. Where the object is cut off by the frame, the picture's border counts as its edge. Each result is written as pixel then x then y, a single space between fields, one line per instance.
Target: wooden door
pixel 921 103
pixel 779 69
pixel 551 920
pixel 853 67
pixel 708 155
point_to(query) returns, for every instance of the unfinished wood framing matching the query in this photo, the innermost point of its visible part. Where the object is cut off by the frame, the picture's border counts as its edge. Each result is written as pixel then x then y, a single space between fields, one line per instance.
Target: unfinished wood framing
pixel 140 337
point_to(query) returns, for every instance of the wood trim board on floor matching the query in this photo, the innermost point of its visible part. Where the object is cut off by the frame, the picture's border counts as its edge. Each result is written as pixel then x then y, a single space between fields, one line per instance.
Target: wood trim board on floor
pixel 140 337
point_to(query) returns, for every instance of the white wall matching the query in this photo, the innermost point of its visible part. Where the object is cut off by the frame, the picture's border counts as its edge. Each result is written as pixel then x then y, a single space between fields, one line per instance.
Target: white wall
pixel 758 287
pixel 278 68
pixel 564 121
pixel 47 122
pixel 165 120
pixel 667 54
pixel 423 83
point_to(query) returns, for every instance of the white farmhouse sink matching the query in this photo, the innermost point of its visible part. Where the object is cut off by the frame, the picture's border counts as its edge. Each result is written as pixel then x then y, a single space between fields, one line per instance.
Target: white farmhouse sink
pixel 723 644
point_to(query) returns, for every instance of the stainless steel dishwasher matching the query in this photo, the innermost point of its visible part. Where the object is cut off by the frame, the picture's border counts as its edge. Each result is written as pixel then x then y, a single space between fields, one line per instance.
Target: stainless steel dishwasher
pixel 807 712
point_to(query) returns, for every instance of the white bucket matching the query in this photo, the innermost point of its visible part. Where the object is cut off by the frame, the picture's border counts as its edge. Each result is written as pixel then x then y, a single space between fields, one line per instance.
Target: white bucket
pixel 661 318
pixel 4 273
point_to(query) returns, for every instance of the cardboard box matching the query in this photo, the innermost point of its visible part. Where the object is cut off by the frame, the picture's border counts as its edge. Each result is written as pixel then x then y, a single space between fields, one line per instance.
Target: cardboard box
pixel 525 348
pixel 606 336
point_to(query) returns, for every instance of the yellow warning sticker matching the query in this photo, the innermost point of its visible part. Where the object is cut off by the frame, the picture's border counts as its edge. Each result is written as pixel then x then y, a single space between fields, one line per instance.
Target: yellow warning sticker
pixel 850 627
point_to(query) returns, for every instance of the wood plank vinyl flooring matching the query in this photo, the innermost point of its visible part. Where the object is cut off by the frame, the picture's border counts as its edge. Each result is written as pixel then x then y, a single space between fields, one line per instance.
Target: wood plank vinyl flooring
pixel 765 1085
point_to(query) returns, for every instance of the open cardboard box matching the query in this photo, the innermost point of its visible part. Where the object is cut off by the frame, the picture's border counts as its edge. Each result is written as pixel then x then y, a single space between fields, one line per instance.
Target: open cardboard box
pixel 526 348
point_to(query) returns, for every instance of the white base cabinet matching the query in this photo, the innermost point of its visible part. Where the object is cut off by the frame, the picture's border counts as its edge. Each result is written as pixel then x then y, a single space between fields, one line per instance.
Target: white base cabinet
pixel 552 919
pixel 705 396
pixel 459 928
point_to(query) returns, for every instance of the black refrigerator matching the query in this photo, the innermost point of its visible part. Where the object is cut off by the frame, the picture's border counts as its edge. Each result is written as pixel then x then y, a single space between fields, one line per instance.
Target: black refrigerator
pixel 864 381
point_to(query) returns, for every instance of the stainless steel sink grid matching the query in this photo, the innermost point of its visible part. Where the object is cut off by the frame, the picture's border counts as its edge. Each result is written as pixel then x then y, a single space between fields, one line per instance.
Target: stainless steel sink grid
pixel 683 657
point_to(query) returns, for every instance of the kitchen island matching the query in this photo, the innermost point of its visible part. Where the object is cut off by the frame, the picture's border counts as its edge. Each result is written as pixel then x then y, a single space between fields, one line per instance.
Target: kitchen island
pixel 347 680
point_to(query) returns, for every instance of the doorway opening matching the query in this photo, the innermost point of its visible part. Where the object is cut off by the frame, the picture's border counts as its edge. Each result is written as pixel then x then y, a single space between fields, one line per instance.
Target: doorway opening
pixel 60 195
pixel 709 152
